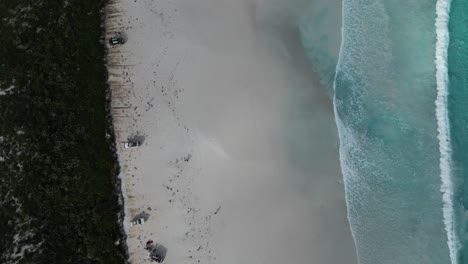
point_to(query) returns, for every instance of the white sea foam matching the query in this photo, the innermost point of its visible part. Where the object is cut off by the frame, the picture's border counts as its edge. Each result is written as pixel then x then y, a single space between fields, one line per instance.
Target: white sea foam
pixel 343 135
pixel 441 23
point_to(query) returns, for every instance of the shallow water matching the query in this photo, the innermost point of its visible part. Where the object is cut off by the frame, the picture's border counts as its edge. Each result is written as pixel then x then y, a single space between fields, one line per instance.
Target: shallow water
pixel 385 89
pixel 320 28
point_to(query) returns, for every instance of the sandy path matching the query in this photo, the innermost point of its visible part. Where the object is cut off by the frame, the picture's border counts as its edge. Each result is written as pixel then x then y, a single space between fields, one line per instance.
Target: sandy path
pixel 239 156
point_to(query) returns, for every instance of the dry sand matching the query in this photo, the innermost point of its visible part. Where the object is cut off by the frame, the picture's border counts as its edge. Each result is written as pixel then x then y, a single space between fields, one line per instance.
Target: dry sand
pixel 239 161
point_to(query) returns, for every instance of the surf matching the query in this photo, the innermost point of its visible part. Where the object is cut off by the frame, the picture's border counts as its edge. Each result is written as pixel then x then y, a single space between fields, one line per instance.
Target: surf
pixel 390 140
pixel 447 189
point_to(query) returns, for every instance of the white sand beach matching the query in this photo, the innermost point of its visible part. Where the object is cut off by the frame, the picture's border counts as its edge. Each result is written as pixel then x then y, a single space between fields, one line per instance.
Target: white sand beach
pixel 239 156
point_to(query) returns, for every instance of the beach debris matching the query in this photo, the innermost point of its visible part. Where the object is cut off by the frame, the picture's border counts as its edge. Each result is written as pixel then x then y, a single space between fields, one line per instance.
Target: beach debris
pixel 149 243
pixel 189 156
pixel 150 105
pixel 118 38
pixel 139 221
pixel 156 252
pixel 136 138
pixel 131 144
pixel 144 216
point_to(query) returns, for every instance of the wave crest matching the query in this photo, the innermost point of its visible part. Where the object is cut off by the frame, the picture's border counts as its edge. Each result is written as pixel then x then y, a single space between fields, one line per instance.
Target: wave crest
pixel 443 127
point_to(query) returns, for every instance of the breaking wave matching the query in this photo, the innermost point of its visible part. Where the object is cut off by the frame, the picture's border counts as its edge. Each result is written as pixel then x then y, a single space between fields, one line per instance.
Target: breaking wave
pixel 395 149
pixel 442 42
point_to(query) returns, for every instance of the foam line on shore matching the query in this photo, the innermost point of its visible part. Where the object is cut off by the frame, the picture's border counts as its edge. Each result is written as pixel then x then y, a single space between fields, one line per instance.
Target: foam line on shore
pixel 442 41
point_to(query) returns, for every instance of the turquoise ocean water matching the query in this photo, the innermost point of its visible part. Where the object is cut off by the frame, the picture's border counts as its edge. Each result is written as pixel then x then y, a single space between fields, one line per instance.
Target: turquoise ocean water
pixel 400 96
pixel 458 116
pixel 385 89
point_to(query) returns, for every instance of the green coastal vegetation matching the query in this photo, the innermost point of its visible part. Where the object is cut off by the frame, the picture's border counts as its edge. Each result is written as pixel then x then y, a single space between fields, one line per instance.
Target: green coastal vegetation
pixel 59 195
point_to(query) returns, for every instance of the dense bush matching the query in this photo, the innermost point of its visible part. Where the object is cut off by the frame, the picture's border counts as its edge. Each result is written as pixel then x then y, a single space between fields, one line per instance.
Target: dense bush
pixel 57 168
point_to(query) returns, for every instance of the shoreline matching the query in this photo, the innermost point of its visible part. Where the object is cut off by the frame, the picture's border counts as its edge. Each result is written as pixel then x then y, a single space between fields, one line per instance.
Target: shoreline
pixel 118 177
